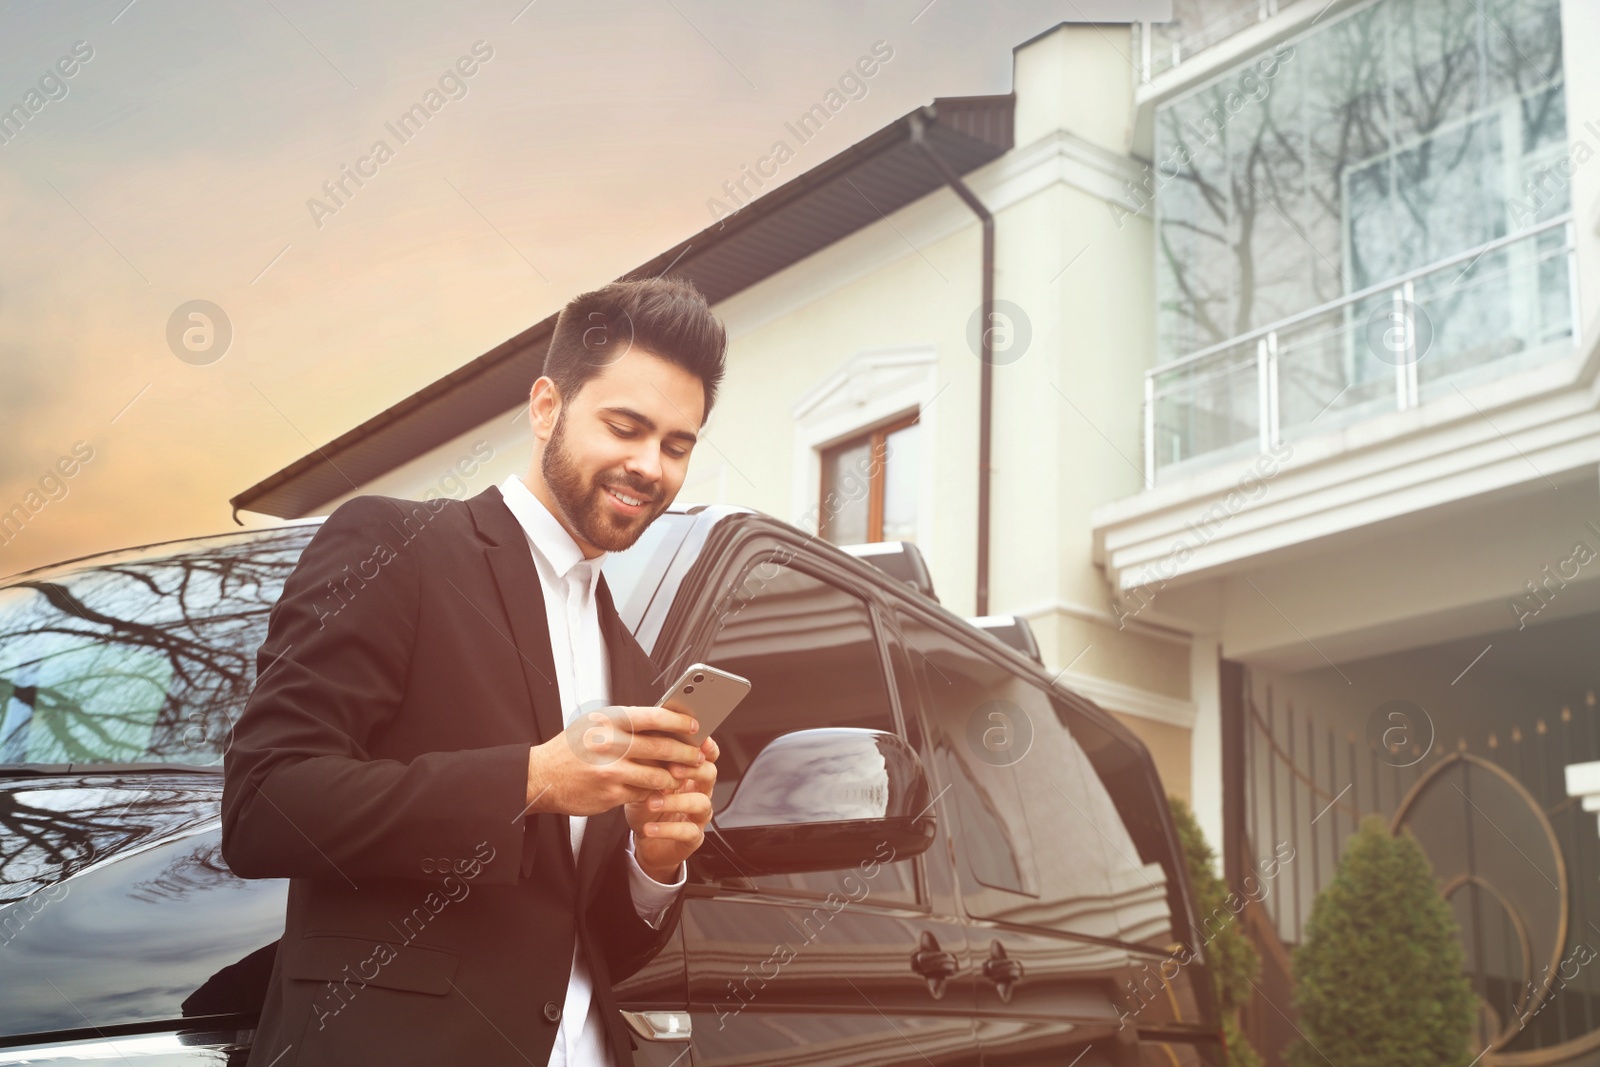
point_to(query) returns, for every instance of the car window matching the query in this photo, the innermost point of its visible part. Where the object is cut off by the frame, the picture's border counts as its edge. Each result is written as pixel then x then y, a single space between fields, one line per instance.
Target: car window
pixel 812 657
pixel 1042 842
pixel 1139 812
pixel 959 689
pixel 140 659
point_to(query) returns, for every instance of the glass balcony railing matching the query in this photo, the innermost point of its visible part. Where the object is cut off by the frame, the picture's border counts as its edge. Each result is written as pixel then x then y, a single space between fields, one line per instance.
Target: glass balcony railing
pixel 1488 311
pixel 1197 25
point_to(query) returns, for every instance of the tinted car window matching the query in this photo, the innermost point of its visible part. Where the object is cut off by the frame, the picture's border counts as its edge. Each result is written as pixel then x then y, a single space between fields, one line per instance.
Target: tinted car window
pixel 1043 843
pixel 138 659
pixel 1147 918
pixel 811 655
pixel 973 737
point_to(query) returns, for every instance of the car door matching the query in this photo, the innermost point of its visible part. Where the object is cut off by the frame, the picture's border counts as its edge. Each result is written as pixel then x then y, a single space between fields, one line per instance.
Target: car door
pixel 847 966
pixel 1064 910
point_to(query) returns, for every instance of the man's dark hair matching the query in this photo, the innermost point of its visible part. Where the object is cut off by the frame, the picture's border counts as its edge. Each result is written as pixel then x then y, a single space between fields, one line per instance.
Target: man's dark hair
pixel 666 317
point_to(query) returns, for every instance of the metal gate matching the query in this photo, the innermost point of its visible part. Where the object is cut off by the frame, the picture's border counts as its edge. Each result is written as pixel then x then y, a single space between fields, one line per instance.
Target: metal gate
pixel 1518 860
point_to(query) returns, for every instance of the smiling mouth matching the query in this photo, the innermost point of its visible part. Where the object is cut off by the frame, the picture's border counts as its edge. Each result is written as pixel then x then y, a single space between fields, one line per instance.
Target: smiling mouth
pixel 627 500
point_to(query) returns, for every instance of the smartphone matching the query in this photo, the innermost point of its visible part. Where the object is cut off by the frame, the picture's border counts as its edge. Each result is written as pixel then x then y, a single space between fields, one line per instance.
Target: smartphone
pixel 705 692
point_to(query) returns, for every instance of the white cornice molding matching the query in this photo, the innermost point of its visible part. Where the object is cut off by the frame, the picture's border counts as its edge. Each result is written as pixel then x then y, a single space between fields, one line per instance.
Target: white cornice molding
pixel 1131 700
pixel 1103 617
pixel 919 356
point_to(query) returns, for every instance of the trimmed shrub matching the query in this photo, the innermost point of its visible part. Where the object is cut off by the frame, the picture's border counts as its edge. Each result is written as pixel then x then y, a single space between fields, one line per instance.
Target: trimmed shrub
pixel 1379 974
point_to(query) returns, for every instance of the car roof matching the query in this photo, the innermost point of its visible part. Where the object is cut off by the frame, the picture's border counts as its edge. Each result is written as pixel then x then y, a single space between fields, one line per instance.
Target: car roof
pixel 198 542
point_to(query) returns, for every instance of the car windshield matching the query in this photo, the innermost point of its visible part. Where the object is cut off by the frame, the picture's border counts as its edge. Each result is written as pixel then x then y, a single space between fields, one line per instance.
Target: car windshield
pixel 144 658
pixel 139 659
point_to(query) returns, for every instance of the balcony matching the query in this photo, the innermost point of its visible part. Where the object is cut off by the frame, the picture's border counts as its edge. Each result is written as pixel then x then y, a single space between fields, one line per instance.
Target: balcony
pixel 1487 311
pixel 1197 25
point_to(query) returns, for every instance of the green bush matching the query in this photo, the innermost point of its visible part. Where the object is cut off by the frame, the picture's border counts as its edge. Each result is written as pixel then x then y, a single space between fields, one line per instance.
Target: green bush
pixel 1230 957
pixel 1379 975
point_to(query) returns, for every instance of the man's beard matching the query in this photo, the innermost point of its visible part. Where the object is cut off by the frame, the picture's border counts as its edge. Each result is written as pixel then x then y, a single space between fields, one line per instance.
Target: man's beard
pixel 583 501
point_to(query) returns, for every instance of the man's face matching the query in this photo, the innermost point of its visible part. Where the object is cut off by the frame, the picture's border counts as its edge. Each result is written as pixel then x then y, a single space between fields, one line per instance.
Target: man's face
pixel 618 451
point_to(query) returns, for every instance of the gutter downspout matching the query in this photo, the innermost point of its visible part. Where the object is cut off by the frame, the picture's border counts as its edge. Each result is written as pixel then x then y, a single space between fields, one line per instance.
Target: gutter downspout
pixel 986 339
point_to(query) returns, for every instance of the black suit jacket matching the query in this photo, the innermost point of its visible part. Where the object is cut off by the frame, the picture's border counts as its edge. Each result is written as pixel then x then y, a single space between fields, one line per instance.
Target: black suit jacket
pixel 381 765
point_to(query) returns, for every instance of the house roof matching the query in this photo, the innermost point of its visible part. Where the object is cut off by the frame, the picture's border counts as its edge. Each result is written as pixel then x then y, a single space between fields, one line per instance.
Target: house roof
pixel 867 181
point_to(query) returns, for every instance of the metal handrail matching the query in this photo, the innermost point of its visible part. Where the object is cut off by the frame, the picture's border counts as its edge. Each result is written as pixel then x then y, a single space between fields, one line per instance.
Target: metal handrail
pixel 1401 290
pixel 1247 359
pixel 1185 47
pixel 1385 286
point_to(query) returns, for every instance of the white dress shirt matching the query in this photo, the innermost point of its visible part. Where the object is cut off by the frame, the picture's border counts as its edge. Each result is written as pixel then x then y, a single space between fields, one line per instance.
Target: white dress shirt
pixel 579 651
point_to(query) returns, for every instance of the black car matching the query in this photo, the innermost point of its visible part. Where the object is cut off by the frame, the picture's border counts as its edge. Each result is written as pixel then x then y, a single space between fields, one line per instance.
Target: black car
pixel 924 850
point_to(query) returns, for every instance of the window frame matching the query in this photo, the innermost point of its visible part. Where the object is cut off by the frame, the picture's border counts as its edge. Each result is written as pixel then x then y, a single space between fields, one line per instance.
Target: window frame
pixel 875 438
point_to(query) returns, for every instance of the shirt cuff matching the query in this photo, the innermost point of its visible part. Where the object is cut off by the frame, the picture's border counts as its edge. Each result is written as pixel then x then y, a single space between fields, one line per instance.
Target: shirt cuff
pixel 651 898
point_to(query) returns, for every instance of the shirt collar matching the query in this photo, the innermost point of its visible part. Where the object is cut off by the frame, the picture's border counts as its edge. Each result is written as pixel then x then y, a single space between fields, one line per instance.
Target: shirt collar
pixel 550 539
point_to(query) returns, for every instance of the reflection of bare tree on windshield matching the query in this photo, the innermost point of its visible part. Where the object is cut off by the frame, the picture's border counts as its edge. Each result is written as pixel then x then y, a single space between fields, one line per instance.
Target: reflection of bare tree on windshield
pixel 131 661
pixel 144 661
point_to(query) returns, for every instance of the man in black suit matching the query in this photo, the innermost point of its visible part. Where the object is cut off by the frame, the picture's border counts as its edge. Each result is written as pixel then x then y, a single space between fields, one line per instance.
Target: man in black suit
pixel 444 750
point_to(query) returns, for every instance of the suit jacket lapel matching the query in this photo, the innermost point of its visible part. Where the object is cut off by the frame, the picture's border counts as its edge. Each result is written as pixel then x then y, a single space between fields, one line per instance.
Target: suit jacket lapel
pixel 510 560
pixel 521 596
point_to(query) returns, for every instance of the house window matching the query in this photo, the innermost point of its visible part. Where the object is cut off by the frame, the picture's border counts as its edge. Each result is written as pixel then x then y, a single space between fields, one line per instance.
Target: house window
pixel 869 486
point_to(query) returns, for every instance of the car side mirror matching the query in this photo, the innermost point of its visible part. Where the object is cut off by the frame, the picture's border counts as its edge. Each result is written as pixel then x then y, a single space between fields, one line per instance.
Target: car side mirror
pixel 821 800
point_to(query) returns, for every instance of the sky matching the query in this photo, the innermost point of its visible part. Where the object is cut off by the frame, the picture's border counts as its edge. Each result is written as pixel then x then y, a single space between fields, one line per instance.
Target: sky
pixel 176 153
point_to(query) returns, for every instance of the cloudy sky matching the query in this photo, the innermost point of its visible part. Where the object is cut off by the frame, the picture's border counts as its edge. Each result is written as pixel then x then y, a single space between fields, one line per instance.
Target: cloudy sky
pixel 178 159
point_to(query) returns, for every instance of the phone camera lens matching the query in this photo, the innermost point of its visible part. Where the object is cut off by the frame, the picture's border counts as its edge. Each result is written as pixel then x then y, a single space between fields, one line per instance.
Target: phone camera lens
pixel 699 677
pixel 688 689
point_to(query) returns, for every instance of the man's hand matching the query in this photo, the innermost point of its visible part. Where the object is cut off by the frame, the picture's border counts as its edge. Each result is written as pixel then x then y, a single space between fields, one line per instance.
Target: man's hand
pixel 604 759
pixel 669 826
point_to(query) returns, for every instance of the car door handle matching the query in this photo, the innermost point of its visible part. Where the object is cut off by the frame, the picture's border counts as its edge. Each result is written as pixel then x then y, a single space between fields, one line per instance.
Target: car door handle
pixel 934 964
pixel 1002 970
pixel 659 1025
